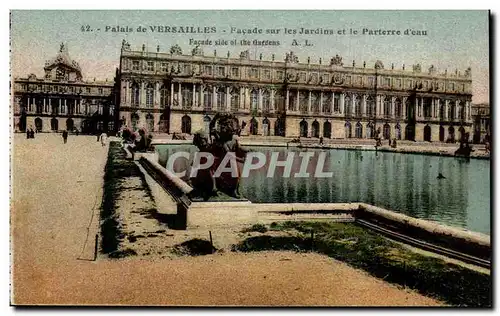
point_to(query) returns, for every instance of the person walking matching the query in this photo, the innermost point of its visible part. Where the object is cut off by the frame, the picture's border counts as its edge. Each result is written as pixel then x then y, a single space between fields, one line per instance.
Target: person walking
pixel 103 137
pixel 65 136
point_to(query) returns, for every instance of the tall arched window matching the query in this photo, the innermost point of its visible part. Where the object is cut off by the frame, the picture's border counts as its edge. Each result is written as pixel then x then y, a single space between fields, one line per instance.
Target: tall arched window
pixel 164 96
pixel 254 100
pixel 303 128
pixel 387 106
pixel 370 105
pixel 207 98
pixel 347 105
pixel 452 110
pixel 327 103
pixel 303 101
pixel 135 94
pixel 359 130
pixel 150 94
pixel 235 99
pixel 461 110
pixel 221 99
pixel 315 102
pixel 187 97
pixel 336 103
pixel 398 108
pixel 292 101
pixel 348 130
pixel 266 101
pixel 357 104
pixel 279 101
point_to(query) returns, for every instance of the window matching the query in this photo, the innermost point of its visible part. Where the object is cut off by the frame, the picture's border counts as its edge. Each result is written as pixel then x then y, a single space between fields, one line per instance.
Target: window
pixel 221 99
pixel 348 79
pixel 409 84
pixel 280 74
pixel 207 98
pixel 208 70
pixel 314 77
pixel 135 65
pixel 88 90
pixel 149 95
pixel 164 67
pixel 426 84
pixel 267 74
pixel 359 81
pixel 371 81
pixel 336 103
pixel 71 89
pixel 266 101
pixel 221 71
pixel 100 90
pixel 398 83
pixel 254 73
pixel 187 68
pixel 135 94
pixel 387 82
pixel 235 72
pixel 235 99
pixel 254 99
pixel 325 78
pixel 451 86
pixel 302 76
pixel 150 66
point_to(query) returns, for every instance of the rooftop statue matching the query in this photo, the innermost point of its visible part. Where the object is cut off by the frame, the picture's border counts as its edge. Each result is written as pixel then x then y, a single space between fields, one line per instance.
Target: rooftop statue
pixel 417 68
pixel 336 61
pixel 379 64
pixel 291 58
pixel 176 50
pixel 197 51
pixel 245 54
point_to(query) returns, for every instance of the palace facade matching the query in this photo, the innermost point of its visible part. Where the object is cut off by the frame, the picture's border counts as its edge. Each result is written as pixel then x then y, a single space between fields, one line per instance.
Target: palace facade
pixel 180 93
pixel 62 100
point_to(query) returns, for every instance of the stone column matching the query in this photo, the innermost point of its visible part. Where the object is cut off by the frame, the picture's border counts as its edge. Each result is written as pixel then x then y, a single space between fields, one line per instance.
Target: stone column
pixel 272 100
pixel 242 98
pixel 393 107
pixel 156 100
pixel 342 101
pixel 214 97
pixel 142 95
pixel 194 96
pixel 287 102
pixel 179 95
pixel 65 107
pixel 260 105
pixel 332 105
pixel 363 106
pixel 60 106
pixel 353 105
pixel 202 96
pixel 309 103
pixel 446 105
pixel 172 94
pixel 403 107
pixel 44 105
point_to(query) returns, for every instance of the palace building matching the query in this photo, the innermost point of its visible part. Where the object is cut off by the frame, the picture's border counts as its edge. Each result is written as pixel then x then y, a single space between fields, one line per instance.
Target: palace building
pixel 172 92
pixel 62 100
pixel 180 93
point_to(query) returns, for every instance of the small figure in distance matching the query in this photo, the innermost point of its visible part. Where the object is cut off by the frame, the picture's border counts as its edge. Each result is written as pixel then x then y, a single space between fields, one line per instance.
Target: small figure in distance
pixel 103 137
pixel 440 176
pixel 65 136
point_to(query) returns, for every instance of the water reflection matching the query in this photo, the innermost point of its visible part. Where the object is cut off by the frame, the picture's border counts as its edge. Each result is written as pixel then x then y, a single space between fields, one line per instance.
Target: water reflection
pixel 403 183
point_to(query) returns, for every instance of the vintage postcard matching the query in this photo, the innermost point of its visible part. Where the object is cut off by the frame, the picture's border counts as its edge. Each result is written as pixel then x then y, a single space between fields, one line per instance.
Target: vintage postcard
pixel 250 158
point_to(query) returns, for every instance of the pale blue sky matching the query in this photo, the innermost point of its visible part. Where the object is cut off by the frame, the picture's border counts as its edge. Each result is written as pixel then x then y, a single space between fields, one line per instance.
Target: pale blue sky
pixel 456 39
